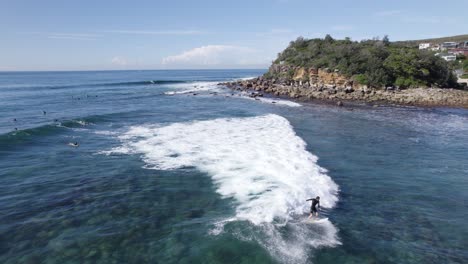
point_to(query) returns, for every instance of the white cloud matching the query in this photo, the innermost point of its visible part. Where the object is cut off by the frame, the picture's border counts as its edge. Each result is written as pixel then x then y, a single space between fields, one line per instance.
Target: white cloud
pixel 151 32
pixel 119 61
pixel 71 36
pixel 212 55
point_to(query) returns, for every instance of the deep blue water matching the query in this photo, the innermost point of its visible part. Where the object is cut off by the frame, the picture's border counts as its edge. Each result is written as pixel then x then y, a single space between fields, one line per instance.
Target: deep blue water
pixel 172 168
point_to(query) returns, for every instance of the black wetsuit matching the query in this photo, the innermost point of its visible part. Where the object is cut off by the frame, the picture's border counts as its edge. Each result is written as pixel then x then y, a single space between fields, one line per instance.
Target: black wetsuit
pixel 315 202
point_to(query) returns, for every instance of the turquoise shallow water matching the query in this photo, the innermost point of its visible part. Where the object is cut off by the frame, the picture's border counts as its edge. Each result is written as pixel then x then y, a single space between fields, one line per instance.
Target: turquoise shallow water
pixel 173 169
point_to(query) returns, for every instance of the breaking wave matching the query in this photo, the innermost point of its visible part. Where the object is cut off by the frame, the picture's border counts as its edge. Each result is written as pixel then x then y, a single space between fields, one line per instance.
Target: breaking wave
pixel 213 87
pixel 194 87
pixel 259 162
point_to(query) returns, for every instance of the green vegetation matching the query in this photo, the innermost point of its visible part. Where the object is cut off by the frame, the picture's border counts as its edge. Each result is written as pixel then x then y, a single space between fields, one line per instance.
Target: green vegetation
pixel 376 63
pixel 465 65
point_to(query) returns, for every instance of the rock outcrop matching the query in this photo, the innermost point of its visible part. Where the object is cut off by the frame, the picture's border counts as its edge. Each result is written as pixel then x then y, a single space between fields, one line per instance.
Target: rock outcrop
pixel 329 85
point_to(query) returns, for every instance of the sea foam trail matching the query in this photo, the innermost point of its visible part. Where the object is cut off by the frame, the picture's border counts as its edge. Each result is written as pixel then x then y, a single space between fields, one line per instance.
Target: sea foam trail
pixel 272 100
pixel 194 87
pixel 246 78
pixel 204 87
pixel 258 161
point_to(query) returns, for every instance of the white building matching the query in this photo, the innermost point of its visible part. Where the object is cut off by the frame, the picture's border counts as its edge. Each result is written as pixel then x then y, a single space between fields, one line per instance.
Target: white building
pixel 435 48
pixel 424 46
pixel 448 57
pixel 449 45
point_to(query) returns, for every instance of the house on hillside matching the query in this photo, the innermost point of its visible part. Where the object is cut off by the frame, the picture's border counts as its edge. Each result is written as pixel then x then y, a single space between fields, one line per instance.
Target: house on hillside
pixel 435 47
pixel 460 51
pixel 449 45
pixel 423 46
pixel 447 56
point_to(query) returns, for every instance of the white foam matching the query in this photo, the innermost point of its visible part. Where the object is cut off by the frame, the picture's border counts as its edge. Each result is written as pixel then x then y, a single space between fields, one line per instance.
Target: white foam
pixel 81 122
pixel 198 87
pixel 194 87
pixel 77 129
pixel 247 78
pixel 258 161
pixel 273 101
pixel 105 133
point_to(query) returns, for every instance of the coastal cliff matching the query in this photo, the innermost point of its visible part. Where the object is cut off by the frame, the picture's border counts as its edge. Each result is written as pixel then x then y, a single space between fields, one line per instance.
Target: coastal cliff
pixel 372 71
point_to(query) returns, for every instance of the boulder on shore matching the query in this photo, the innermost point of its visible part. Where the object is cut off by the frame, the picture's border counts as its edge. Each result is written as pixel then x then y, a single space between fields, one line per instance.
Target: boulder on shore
pixel 327 85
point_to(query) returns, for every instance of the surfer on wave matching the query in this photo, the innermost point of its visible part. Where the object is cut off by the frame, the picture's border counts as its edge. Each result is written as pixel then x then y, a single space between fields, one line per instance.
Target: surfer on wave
pixel 313 209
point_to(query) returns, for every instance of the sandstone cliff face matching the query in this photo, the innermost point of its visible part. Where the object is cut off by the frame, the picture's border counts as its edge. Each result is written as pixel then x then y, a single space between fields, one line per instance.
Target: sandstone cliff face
pixel 317 78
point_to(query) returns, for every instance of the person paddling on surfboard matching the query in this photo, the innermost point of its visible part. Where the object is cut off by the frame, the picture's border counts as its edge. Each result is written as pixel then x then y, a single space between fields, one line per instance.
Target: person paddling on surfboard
pixel 315 202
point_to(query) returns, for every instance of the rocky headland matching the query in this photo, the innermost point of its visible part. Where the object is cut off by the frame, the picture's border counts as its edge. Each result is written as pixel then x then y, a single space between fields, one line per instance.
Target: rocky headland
pixel 328 85
pixel 374 71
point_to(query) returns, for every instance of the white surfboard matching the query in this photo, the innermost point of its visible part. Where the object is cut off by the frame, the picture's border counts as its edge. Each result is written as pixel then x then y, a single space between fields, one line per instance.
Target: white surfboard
pixel 315 220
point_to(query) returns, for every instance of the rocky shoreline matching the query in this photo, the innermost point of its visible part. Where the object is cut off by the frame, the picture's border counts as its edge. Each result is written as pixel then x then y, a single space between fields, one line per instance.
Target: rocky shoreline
pixel 341 94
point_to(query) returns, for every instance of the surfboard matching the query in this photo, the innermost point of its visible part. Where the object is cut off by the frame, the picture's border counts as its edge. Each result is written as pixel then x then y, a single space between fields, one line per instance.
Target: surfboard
pixel 315 220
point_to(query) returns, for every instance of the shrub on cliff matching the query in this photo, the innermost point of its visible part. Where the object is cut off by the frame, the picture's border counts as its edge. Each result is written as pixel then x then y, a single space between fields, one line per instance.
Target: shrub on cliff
pixel 465 65
pixel 376 63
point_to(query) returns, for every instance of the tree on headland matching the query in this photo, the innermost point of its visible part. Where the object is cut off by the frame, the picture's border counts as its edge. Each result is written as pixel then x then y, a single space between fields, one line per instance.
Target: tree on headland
pixel 386 40
pixel 376 63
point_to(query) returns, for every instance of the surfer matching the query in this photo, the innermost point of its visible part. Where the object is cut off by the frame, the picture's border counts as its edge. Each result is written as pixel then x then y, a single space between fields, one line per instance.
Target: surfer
pixel 74 144
pixel 313 209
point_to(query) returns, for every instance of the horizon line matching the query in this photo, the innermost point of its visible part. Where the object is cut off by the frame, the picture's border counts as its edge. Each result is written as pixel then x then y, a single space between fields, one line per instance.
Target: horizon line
pixel 223 69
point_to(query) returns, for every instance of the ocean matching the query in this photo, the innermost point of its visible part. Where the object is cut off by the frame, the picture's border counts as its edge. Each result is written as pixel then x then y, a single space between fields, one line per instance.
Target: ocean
pixel 169 167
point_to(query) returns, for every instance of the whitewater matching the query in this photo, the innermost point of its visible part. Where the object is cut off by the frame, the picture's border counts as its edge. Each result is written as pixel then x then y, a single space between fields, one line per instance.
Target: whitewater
pixel 258 161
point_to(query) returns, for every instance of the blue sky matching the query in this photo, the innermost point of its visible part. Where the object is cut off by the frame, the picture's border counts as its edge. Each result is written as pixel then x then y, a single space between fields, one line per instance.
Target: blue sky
pixel 107 35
